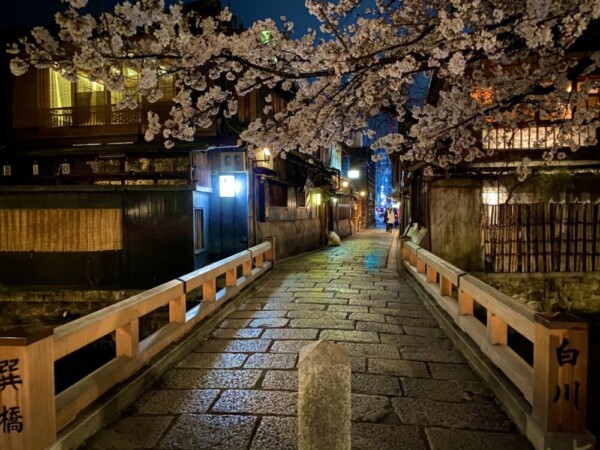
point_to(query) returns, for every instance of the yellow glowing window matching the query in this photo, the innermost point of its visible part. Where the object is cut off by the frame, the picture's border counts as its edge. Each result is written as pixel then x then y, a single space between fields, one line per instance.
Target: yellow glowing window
pixel 60 91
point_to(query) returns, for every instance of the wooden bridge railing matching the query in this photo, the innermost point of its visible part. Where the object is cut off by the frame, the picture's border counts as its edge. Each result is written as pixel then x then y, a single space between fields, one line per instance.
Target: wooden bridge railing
pixel 555 385
pixel 32 413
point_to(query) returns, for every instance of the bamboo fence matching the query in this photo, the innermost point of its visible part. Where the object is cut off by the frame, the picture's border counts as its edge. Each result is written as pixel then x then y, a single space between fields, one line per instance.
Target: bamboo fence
pixel 542 237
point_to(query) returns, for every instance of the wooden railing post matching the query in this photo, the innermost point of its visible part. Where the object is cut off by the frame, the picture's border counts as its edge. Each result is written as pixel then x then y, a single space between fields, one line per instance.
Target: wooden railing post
pixel 445 287
pixel 247 267
pixel 128 339
pixel 258 260
pixel 231 277
pixel 431 274
pixel 560 365
pixel 27 398
pixel 270 254
pixel 412 258
pixel 421 266
pixel 497 329
pixel 209 290
pixel 466 305
pixel 177 309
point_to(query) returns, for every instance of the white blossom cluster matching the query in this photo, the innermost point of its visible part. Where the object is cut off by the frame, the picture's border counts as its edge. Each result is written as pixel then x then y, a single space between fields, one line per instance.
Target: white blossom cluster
pixel 500 64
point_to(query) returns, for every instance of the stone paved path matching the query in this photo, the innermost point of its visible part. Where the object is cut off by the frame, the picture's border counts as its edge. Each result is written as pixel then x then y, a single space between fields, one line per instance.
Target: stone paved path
pixel 410 388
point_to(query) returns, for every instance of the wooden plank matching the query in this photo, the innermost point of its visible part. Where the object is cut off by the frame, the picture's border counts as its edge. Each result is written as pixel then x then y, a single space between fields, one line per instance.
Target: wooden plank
pixel 518 316
pixel 197 278
pixel 513 366
pixel 33 366
pixel 560 385
pixel 77 334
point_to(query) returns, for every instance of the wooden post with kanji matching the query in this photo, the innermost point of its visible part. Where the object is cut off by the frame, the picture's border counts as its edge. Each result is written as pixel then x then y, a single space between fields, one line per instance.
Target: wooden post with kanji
pixel 27 408
pixel 560 365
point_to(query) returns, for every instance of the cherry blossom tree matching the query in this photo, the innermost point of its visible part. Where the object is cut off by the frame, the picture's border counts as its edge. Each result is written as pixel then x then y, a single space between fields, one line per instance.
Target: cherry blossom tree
pixel 496 64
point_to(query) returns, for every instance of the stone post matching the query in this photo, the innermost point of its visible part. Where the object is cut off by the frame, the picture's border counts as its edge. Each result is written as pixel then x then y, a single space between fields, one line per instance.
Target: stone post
pixel 324 412
pixel 27 407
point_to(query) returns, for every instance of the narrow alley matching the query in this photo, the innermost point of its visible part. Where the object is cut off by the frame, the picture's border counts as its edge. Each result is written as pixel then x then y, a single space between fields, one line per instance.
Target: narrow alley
pixel 238 390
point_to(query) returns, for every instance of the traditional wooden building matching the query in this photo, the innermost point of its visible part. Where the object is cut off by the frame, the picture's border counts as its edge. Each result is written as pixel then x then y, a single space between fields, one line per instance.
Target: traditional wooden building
pixel 86 202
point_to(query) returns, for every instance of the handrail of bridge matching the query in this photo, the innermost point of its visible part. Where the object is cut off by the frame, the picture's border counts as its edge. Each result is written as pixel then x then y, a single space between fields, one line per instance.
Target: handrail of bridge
pixel 555 385
pixel 43 413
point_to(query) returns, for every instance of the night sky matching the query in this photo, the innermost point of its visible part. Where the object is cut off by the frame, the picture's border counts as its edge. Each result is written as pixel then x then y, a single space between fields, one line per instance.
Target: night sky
pixel 34 12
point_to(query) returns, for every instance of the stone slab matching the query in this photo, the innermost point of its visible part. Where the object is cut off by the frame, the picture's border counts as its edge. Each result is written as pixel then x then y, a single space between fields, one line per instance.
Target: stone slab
pixel 203 431
pixel 271 361
pixel 257 402
pixel 240 333
pixel 323 323
pixel 287 333
pixel 370 408
pixel 269 323
pixel 367 317
pixel 176 401
pixel 432 355
pixel 445 439
pixel 370 350
pixel 276 433
pixel 424 331
pixel 283 380
pixel 213 360
pixel 379 327
pixel 407 340
pixel 398 367
pixel 375 384
pixel 352 336
pixel 209 378
pixel 256 314
pixel 383 437
pixel 130 432
pixel 452 371
pixel 293 346
pixel 430 413
pixel 234 345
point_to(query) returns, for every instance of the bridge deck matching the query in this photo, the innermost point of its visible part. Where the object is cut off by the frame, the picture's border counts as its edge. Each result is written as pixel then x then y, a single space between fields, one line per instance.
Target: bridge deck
pixel 410 388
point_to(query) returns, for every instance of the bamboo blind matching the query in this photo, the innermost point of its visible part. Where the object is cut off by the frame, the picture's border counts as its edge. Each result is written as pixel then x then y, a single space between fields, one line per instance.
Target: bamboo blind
pixel 539 237
pixel 60 230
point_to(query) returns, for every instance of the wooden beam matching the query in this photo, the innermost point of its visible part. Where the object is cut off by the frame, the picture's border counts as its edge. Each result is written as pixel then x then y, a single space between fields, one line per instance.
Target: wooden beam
pixel 27 396
pixel 560 364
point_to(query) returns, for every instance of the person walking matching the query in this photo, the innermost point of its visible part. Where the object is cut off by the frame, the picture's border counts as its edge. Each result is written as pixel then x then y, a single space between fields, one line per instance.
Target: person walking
pixel 390 218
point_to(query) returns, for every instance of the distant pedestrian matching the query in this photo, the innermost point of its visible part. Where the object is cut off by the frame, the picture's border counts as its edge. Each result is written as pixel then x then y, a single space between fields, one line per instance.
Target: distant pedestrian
pixel 390 218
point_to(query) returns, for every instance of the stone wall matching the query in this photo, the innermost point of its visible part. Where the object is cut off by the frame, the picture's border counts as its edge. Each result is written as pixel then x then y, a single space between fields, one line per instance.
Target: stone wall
pixel 292 237
pixel 577 292
pixel 54 307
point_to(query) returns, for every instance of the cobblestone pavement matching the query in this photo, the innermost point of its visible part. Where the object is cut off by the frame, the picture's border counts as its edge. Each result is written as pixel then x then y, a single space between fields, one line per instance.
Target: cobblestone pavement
pixel 410 388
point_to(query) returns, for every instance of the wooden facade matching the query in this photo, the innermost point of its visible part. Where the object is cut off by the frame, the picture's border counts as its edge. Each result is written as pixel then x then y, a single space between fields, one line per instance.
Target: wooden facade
pixel 133 237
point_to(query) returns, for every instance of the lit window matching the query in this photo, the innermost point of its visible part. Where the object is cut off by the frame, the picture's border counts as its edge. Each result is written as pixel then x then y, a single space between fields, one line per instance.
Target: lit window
pixel 198 229
pixel 353 174
pixel 227 186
